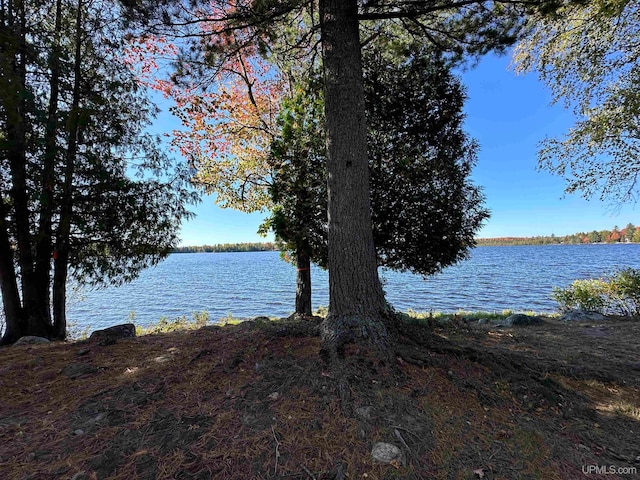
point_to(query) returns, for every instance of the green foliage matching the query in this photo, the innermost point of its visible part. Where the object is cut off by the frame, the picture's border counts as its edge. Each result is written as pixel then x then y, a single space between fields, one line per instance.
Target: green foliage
pixel 86 194
pixel 630 233
pixel 587 53
pixel 625 291
pixel 229 247
pixel 425 209
pixel 165 325
pixel 589 295
pixel 299 187
pixel 321 311
pixel 617 294
pixel 229 320
pixel 447 317
pixel 75 332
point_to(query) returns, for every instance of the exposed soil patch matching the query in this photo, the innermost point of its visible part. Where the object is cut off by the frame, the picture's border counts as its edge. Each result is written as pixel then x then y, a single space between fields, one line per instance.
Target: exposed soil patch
pixel 255 401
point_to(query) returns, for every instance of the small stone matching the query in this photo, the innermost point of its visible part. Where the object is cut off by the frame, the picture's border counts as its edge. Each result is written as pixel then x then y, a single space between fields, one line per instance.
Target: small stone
pixel 386 453
pixel 274 396
pixel 162 359
pixel 78 432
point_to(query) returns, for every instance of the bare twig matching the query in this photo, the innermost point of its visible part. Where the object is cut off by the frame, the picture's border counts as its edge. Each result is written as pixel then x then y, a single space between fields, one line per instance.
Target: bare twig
pixel 311 475
pixel 277 449
pixel 397 432
pixel 494 454
pixel 398 427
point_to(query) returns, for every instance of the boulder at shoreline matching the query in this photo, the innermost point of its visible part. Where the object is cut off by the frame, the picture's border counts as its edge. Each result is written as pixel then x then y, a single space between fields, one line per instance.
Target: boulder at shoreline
pixel 522 320
pixel 110 335
pixel 582 316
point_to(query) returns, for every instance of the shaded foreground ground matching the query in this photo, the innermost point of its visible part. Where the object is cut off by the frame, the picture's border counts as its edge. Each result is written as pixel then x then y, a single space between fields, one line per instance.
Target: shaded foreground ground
pixel 555 401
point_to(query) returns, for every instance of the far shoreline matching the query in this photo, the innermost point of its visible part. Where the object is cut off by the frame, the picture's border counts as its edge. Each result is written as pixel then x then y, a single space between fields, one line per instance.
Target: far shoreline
pixel 240 248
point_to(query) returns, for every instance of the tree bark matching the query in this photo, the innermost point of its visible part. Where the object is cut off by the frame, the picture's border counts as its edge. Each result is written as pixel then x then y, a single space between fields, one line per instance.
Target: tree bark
pixel 34 311
pixel 45 229
pixel 14 322
pixel 357 305
pixel 61 257
pixel 303 283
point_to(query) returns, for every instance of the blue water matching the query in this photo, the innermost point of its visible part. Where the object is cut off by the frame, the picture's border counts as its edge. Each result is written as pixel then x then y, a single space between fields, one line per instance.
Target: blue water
pixel 260 283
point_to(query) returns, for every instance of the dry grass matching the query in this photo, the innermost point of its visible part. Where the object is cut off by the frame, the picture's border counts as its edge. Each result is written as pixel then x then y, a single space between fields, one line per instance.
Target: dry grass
pixel 463 402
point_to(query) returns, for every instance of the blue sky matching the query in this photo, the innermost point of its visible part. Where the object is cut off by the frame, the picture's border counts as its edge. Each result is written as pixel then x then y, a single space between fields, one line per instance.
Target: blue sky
pixel 508 115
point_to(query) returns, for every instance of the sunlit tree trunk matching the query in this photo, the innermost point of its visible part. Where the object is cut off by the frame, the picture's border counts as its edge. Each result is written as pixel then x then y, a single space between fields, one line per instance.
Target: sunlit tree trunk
pixel 356 300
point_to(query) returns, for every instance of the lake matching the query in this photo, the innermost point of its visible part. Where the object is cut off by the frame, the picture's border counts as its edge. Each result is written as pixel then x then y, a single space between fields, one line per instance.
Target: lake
pixel 260 283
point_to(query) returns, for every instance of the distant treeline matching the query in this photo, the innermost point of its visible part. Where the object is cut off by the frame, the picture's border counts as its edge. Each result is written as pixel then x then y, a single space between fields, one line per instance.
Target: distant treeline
pixel 629 234
pixel 229 247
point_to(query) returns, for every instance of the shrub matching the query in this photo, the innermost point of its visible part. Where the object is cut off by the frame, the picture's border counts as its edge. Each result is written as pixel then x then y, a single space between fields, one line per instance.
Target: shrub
pixel 588 295
pixel 625 291
pixel 617 294
pixel 165 325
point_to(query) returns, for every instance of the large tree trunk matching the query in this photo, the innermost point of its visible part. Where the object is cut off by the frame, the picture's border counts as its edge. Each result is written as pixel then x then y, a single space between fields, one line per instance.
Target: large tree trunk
pixel 357 306
pixel 45 230
pixel 303 283
pixel 15 326
pixel 35 309
pixel 15 323
pixel 62 250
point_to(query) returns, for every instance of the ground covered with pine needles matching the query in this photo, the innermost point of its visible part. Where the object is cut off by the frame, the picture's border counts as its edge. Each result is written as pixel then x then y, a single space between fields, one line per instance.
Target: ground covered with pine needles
pixel 255 401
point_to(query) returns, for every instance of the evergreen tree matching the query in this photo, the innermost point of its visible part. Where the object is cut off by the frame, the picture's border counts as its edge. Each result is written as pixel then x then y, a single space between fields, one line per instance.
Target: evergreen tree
pixel 84 191
pixel 425 209
pixel 222 30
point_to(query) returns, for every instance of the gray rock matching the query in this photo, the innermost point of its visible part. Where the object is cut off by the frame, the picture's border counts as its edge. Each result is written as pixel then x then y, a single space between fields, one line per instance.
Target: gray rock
pixel 522 320
pixel 386 453
pixel 110 335
pixel 31 340
pixel 582 316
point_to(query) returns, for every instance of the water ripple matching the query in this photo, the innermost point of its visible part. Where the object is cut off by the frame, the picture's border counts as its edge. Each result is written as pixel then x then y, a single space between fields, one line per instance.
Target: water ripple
pixel 260 283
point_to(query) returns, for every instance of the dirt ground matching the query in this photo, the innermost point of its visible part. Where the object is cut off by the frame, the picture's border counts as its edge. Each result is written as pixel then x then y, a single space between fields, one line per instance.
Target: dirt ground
pixel 254 401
